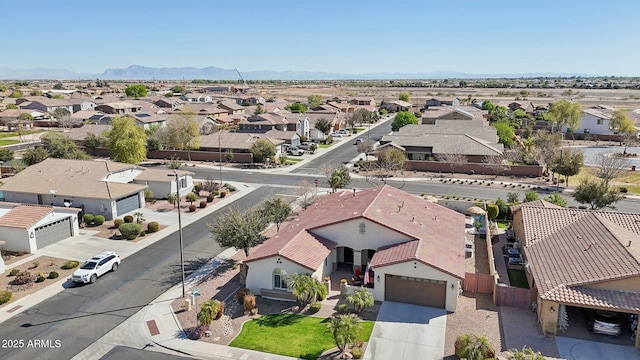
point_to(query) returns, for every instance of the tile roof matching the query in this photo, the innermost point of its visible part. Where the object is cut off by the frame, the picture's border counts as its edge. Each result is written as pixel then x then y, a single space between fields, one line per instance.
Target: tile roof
pixel 588 296
pixel 438 231
pixel 24 216
pixel 535 203
pixel 80 133
pixel 160 175
pixel 79 178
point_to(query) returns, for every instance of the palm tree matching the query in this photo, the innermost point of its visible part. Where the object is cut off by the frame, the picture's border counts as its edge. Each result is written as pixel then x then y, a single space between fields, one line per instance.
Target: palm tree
pixel 360 299
pixel 208 311
pixel 343 329
pixel 172 198
pixel 306 288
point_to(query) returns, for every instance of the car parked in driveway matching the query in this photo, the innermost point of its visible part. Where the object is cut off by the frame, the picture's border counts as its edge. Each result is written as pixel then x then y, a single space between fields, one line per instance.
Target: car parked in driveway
pixel 305 145
pixel 605 322
pixel 295 151
pixel 336 135
pixel 95 267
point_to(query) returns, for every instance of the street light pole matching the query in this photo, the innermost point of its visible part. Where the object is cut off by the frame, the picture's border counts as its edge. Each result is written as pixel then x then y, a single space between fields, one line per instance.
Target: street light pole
pixel 180 230
pixel 220 153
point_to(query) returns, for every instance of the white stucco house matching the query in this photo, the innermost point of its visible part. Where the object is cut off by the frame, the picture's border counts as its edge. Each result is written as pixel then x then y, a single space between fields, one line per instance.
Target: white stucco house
pixel 103 188
pixel 415 249
pixel 27 228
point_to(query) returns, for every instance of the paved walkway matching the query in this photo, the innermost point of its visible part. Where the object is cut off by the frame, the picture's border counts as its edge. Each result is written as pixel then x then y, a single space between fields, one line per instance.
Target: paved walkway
pixel 407 332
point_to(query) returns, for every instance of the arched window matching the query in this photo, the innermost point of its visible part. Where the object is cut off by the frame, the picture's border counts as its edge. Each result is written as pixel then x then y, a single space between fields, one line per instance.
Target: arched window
pixel 279 278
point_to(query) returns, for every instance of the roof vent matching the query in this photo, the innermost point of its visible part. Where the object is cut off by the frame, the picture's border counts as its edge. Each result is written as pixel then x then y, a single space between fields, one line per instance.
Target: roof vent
pixel 629 245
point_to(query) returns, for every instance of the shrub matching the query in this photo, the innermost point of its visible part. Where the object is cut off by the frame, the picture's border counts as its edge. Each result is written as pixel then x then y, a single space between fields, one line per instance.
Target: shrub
pixel 210 198
pixel 221 307
pixel 40 279
pixel 623 189
pixel 5 296
pixel 192 208
pixel 118 222
pixel 240 294
pixel 23 278
pixel 53 275
pixel 230 187
pixel 223 194
pixel 129 229
pixel 249 302
pixel 254 311
pixel 148 194
pixel 153 227
pixel 72 264
pixel 216 192
pixel 342 309
pixel 197 188
pixel 203 204
pixel 315 307
pixel 142 233
pixel 98 220
pixel 88 218
pixel 128 219
pixel 14 272
pixel 357 352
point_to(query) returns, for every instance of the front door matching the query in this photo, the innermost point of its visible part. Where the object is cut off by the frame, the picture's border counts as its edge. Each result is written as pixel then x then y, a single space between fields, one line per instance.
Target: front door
pixel 348 255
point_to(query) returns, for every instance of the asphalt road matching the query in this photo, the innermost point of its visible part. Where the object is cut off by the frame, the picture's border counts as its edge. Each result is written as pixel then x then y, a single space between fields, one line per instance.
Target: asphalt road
pixel 78 316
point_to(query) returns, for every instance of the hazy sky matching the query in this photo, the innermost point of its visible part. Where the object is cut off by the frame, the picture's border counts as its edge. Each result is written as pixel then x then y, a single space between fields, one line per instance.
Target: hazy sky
pixel 347 36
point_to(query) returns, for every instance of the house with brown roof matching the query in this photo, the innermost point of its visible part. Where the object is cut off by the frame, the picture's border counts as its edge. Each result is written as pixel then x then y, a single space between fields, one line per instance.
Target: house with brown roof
pixel 27 228
pixel 469 113
pixel 580 258
pixel 44 104
pixel 119 108
pixel 414 249
pixel 442 101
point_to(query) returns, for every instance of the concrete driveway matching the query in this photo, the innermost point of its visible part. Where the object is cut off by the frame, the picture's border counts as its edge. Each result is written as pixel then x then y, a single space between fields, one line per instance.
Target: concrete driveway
pixel 407 332
pixel 576 349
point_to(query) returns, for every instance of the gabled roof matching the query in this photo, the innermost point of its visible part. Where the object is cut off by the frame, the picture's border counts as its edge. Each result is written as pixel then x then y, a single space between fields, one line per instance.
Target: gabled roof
pixel 47 101
pixel 535 203
pixel 80 133
pixel 24 216
pixel 438 232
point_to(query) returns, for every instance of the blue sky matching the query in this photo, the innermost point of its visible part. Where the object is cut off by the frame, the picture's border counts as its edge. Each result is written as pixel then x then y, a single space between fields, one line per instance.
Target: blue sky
pixel 345 36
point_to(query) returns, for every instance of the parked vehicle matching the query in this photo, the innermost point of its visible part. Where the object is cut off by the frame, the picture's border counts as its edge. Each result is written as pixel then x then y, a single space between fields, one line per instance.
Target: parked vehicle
pixel 305 145
pixel 359 141
pixel 295 151
pixel 336 135
pixel 344 132
pixel 96 266
pixel 605 322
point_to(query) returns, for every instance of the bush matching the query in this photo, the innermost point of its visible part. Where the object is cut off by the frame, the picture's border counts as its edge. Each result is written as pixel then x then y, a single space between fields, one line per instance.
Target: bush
pixel 88 218
pixel 342 309
pixel 98 220
pixel 129 229
pixel 357 352
pixel 5 296
pixel 118 222
pixel 14 272
pixel 192 208
pixel 128 219
pixel 623 189
pixel 40 279
pixel 72 264
pixel 210 198
pixel 148 194
pixel 53 275
pixel 203 204
pixel 142 233
pixel 153 227
pixel 221 307
pixel 223 194
pixel 197 188
pixel 315 307
pixel 249 302
pixel 240 295
pixel 230 187
pixel 23 278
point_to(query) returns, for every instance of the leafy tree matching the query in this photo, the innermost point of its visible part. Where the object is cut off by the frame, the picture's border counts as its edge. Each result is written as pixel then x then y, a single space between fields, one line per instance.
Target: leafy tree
pixel 262 149
pixel 178 89
pixel 597 194
pixel 34 156
pixel 228 155
pixel 127 142
pixel 488 105
pixel 175 163
pixel 343 329
pixel 314 100
pixel 531 195
pixel 565 113
pixel 568 163
pixel 277 210
pixel 513 198
pixel 403 118
pixel 136 91
pixel 297 107
pixel 191 197
pixel 60 113
pixel 36 93
pixel 492 211
pixel 390 160
pixel 503 208
pixel 241 230
pixel 499 113
pixel 259 110
pixel 184 132
pixel 557 199
pixel 404 96
pixel 62 147
pixel 306 289
pixel 323 125
pixel 12 106
pixel 16 94
pixel 58 86
pixel 624 126
pixel 505 132
pixel 337 176
pixel 93 141
pixel 545 145
pixel 360 116
pixel 360 299
pixel 6 155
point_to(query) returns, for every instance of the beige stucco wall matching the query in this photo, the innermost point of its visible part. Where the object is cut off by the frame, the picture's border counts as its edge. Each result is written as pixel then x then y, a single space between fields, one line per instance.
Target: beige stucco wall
pixel 348 234
pixel 548 319
pixel 419 271
pixel 260 273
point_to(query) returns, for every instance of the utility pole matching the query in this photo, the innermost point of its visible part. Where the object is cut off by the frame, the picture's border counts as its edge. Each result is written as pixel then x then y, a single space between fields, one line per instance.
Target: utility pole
pixel 180 230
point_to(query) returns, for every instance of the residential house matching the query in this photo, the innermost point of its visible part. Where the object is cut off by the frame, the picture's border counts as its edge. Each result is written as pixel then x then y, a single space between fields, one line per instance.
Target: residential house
pixel 11 118
pixel 442 101
pixel 197 98
pixel 172 103
pixel 247 100
pixel 580 259
pixel 234 142
pixel 264 122
pixel 91 116
pixel 231 107
pixel 415 252
pixel 468 113
pixel 44 104
pixel 363 101
pixel 119 108
pixel 396 106
pixel 291 138
pixel 81 104
pixel 472 139
pixel 27 228
pixel 524 105
pixel 148 119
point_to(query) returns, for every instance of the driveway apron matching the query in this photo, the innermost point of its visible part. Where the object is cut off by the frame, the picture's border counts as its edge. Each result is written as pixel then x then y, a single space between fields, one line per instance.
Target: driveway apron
pixel 407 332
pixel 576 349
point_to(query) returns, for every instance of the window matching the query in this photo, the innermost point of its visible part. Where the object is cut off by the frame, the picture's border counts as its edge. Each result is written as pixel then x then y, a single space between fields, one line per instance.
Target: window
pixel 279 279
pixel 587 131
pixel 599 122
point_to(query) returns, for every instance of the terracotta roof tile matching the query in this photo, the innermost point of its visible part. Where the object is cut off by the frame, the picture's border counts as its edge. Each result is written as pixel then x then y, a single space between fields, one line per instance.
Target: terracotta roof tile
pixel 395 253
pixel 588 296
pixel 24 216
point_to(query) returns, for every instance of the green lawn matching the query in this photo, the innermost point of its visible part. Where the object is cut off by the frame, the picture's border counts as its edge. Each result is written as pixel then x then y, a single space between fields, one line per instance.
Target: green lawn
pixel 325 146
pixel 8 134
pixel 503 224
pixel 8 142
pixel 518 278
pixel 291 161
pixel 298 336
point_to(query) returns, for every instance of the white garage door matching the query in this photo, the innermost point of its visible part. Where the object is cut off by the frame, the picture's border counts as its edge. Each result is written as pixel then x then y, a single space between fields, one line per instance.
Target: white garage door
pixel 53 232
pixel 417 291
pixel 127 204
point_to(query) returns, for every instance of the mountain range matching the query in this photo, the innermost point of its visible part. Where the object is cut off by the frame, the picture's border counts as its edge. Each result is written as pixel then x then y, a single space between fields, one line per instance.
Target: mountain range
pixel 137 72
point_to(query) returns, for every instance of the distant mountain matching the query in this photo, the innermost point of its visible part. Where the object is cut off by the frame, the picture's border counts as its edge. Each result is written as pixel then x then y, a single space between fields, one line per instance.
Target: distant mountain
pixel 137 72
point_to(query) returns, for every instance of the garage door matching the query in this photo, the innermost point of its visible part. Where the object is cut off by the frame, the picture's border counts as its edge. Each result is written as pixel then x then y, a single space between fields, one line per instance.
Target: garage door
pixel 127 204
pixel 417 291
pixel 53 232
